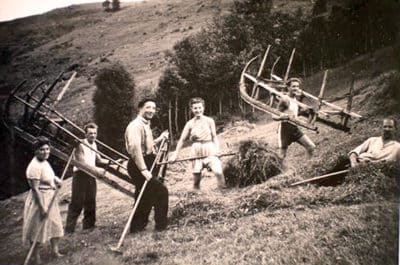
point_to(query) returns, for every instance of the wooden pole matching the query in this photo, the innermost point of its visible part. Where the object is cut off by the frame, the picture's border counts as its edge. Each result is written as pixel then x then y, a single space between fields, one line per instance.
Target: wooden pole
pixel 128 223
pixel 320 177
pixel 53 199
pixel 289 65
pixel 273 67
pixel 194 158
pixel 254 92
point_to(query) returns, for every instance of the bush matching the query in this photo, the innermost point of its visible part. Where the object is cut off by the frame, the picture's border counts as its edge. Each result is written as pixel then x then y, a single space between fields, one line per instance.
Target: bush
pixel 115 5
pixel 113 101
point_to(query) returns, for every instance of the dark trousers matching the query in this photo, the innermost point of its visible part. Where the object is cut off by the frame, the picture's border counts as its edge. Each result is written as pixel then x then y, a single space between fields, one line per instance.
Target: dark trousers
pixel 155 195
pixel 83 197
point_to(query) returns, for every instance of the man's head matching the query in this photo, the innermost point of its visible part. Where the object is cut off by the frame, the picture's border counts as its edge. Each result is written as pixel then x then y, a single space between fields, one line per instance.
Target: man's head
pixel 147 108
pixel 91 132
pixel 294 87
pixel 389 127
pixel 197 106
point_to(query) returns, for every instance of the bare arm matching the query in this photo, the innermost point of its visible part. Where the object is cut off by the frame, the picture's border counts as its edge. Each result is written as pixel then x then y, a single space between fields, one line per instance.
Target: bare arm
pixel 184 136
pixel 214 134
pixel 79 155
pixel 353 159
pixel 100 160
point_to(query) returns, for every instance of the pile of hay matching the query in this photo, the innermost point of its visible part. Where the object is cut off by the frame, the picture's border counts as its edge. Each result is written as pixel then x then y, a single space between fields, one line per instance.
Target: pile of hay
pixel 368 183
pixel 254 164
pixel 335 160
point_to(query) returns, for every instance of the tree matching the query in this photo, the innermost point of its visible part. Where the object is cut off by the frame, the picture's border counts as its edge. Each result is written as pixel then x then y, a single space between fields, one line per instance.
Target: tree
pixel 106 5
pixel 113 104
pixel 115 5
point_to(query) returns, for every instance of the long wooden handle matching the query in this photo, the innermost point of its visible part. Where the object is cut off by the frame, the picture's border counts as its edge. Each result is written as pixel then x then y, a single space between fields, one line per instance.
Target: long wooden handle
pixel 194 158
pixel 53 199
pixel 289 65
pixel 128 223
pixel 320 177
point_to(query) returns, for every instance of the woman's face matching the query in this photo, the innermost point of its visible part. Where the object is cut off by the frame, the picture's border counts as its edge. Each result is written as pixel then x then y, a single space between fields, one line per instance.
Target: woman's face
pixel 197 109
pixel 43 152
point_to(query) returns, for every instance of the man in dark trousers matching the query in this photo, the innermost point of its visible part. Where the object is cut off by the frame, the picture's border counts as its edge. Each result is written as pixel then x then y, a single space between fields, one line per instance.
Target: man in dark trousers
pixel 140 147
pixel 83 185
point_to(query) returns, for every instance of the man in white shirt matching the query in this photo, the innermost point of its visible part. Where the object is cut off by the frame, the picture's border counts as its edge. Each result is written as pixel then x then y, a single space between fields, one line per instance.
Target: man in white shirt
pixel 140 147
pixel 83 185
pixel 378 149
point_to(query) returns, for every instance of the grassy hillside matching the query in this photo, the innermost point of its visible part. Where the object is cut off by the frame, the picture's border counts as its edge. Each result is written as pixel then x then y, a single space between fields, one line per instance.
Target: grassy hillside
pixel 353 222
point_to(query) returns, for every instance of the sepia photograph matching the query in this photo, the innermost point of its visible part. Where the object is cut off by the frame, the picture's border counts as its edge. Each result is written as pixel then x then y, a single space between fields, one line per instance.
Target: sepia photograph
pixel 199 132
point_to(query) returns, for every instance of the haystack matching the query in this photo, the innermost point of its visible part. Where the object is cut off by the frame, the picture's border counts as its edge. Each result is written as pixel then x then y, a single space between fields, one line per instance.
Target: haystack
pixel 254 164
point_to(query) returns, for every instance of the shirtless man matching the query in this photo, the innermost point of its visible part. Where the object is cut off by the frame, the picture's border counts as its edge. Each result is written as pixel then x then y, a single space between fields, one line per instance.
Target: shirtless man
pixel 289 133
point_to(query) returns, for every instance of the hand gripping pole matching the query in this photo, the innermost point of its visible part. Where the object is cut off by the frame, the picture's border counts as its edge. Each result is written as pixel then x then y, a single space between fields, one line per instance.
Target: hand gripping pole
pixel 128 223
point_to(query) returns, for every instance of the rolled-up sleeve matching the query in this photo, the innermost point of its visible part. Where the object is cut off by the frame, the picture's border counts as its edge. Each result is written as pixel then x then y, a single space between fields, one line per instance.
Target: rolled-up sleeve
pixel 133 142
pixel 362 148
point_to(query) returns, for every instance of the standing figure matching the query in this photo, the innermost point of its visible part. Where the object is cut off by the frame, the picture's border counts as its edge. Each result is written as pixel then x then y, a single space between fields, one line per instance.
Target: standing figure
pixel 83 185
pixel 289 133
pixel 140 147
pixel 201 131
pixel 378 149
pixel 43 184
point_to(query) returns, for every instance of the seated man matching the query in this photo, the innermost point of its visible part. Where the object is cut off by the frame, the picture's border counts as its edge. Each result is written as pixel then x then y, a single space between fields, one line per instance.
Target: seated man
pixel 378 149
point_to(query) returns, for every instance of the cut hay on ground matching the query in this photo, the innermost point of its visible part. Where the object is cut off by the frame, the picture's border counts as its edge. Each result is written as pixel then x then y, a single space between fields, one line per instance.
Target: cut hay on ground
pixel 364 184
pixel 196 212
pixel 254 164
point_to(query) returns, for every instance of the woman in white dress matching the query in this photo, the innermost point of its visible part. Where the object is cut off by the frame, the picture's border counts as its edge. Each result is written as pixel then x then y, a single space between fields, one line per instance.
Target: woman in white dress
pixel 43 183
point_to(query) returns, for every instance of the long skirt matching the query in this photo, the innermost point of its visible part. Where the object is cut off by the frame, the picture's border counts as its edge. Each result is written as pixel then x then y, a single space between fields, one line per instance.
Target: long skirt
pixel 52 227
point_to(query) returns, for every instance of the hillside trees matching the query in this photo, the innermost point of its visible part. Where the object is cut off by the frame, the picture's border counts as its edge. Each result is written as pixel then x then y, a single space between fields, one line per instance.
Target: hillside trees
pixel 115 5
pixel 209 64
pixel 113 104
pixel 340 32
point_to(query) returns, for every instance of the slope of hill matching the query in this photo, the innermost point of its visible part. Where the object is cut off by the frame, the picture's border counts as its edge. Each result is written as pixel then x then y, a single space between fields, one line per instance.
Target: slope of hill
pixel 354 222
pixel 85 39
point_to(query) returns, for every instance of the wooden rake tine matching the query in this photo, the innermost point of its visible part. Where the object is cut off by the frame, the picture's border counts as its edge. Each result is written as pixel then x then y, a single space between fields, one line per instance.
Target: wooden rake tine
pixel 28 257
pixel 128 223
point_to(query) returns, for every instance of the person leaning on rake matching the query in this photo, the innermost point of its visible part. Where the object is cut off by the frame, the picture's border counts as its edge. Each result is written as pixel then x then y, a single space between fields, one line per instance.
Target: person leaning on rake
pixel 43 183
pixel 201 131
pixel 140 147
pixel 383 148
pixel 83 195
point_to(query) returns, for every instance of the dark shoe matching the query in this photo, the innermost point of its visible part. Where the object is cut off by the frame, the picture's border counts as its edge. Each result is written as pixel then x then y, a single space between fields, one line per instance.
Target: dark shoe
pixel 89 227
pixel 135 231
pixel 160 228
pixel 69 230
